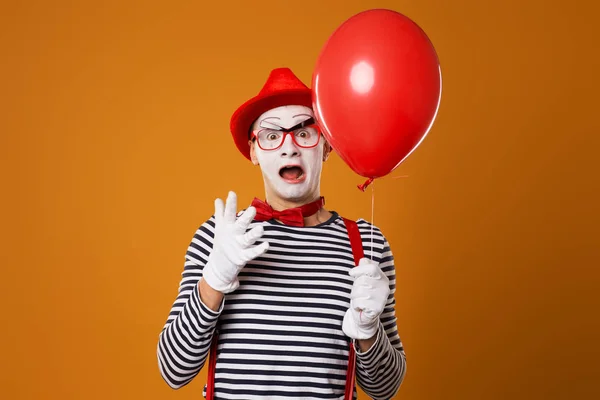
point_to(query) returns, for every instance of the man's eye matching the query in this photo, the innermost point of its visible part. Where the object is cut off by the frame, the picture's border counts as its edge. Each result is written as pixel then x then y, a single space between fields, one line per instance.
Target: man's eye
pixel 302 134
pixel 272 136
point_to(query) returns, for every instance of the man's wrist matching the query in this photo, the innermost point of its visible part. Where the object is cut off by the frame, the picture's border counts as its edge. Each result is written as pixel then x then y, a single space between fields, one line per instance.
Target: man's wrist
pixel 211 298
pixel 365 345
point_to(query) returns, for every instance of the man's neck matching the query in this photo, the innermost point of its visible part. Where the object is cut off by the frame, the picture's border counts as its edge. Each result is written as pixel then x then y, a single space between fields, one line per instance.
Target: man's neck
pixel 279 204
pixel 319 217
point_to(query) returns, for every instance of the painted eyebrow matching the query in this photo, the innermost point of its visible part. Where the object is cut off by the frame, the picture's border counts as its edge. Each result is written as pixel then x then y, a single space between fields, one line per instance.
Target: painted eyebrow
pixel 264 121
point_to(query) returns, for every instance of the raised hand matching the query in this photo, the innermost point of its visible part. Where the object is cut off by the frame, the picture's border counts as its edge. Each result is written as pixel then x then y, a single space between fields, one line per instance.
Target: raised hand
pixel 232 245
pixel 369 295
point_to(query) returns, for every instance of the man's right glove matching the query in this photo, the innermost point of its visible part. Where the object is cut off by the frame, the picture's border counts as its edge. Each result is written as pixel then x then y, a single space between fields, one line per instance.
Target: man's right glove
pixel 369 296
pixel 231 245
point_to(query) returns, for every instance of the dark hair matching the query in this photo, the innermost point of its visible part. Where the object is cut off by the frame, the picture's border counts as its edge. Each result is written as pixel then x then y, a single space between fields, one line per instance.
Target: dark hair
pixel 250 130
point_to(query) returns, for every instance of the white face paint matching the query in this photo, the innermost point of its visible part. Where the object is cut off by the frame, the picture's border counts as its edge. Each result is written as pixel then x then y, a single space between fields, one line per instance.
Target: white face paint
pixel 310 160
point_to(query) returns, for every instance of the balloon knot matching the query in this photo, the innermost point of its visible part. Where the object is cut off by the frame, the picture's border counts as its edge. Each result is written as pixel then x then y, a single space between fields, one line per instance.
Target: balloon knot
pixel 366 184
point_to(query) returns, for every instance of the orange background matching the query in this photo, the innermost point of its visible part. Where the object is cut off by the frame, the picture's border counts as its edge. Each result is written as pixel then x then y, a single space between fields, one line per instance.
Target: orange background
pixel 115 142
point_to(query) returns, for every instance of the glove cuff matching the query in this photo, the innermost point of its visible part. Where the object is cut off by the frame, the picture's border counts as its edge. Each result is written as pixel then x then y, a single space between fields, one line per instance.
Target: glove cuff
pixel 217 283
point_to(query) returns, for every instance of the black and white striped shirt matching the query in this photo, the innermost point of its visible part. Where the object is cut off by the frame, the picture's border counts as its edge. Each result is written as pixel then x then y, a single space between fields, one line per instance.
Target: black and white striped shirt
pixel 280 332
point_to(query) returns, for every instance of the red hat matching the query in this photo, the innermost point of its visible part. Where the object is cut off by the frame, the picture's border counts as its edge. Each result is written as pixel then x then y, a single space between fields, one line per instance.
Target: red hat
pixel 282 88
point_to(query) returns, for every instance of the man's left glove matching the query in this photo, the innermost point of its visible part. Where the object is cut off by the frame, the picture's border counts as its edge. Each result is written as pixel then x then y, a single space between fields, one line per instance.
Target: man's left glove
pixel 232 245
pixel 369 296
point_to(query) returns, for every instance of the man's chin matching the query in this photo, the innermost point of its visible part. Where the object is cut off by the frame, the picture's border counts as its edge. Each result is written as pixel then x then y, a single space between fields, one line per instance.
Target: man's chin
pixel 293 195
pixel 292 192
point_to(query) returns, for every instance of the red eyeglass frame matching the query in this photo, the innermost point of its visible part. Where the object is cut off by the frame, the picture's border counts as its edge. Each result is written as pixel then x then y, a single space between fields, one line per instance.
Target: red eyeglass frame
pixel 315 126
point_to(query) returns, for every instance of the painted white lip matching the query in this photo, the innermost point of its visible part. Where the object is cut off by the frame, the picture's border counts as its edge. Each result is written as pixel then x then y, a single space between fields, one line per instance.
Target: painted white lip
pixel 301 179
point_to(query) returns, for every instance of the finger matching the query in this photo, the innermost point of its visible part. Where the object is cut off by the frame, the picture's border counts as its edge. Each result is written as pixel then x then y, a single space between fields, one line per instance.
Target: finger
pixel 354 306
pixel 368 316
pixel 250 237
pixel 365 284
pixel 365 261
pixel 237 258
pixel 367 305
pixel 362 308
pixel 246 218
pixel 218 210
pixel 256 251
pixel 369 269
pixel 359 303
pixel 230 208
pixel 372 305
pixel 362 285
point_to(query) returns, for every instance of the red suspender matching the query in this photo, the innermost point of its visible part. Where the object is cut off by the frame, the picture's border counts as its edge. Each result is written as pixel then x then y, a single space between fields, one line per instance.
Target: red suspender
pixel 212 362
pixel 358 253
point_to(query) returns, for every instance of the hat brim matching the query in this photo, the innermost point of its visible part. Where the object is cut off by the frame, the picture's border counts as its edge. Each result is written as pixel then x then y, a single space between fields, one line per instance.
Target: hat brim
pixel 243 118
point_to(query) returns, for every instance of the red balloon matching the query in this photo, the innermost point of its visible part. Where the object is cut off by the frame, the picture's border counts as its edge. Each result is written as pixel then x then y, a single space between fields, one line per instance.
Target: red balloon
pixel 376 90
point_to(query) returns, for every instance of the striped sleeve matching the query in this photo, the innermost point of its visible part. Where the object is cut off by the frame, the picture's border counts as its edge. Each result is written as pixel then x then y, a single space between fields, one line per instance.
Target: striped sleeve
pixel 381 370
pixel 184 341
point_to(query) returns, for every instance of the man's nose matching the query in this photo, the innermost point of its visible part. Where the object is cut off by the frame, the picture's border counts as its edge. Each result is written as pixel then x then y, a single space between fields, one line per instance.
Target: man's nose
pixel 288 148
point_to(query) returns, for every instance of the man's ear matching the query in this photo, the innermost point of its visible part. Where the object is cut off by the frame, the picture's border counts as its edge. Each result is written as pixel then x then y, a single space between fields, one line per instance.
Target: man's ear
pixel 326 150
pixel 252 152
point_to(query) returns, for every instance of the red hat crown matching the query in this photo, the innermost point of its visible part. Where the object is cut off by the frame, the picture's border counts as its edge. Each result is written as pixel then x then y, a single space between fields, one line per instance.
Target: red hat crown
pixel 281 79
pixel 282 88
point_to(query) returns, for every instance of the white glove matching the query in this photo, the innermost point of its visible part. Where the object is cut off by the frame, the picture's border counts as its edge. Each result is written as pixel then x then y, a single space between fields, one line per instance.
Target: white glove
pixel 369 295
pixel 231 245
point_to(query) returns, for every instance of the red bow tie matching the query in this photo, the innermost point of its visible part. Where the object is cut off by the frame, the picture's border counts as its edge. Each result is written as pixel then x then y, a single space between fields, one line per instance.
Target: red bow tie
pixel 291 216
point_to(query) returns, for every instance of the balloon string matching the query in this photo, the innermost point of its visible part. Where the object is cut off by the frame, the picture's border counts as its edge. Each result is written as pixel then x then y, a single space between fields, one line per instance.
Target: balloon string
pixel 372 216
